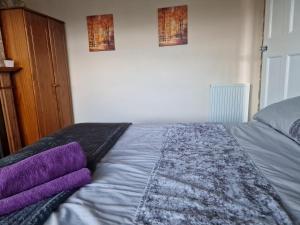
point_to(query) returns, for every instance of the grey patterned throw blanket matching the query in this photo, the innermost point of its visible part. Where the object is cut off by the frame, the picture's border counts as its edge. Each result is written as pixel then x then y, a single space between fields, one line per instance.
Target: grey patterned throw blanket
pixel 204 177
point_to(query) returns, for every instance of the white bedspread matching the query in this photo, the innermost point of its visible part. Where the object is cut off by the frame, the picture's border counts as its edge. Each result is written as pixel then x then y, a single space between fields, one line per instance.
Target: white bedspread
pixel 277 157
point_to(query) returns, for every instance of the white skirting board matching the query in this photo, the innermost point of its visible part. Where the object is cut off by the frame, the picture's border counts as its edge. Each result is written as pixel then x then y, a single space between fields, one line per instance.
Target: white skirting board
pixel 229 103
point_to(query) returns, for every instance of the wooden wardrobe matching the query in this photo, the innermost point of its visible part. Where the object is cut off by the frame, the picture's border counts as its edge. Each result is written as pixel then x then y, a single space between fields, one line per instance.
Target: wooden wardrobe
pixel 42 92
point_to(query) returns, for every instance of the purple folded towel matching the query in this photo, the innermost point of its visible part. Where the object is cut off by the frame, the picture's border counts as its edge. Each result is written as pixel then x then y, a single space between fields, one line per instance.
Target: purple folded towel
pixel 41 168
pixel 68 182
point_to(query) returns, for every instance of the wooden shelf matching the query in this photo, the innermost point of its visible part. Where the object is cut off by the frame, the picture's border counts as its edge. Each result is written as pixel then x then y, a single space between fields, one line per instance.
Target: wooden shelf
pixel 9 69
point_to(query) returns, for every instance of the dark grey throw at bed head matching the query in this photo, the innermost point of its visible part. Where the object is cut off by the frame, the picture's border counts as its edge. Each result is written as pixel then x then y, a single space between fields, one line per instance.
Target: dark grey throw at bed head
pixel 283 116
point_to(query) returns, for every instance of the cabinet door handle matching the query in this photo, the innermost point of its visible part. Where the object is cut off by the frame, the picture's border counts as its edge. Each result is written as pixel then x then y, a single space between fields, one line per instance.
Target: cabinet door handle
pixel 55 85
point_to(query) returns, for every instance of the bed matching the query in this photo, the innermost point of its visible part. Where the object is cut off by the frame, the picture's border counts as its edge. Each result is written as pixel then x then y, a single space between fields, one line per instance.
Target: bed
pixel 192 173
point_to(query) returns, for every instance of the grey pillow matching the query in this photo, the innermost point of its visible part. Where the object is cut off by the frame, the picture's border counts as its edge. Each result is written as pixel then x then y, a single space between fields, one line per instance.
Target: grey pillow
pixel 283 116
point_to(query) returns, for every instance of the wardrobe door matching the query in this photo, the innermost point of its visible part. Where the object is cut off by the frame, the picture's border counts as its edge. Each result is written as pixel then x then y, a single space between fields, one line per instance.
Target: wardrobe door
pixel 61 71
pixel 43 79
pixel 15 42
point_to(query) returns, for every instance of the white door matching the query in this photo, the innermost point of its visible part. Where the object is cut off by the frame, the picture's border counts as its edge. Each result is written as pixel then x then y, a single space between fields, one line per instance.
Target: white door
pixel 281 60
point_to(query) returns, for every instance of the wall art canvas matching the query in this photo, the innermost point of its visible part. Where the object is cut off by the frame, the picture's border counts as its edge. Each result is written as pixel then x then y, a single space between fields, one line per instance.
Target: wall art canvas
pixel 173 25
pixel 101 33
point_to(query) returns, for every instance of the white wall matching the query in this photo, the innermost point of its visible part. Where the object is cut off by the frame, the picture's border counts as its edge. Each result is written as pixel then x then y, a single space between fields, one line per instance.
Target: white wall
pixel 141 82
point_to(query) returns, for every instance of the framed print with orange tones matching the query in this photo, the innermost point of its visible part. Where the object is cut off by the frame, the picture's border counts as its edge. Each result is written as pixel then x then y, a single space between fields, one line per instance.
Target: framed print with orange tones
pixel 173 25
pixel 101 33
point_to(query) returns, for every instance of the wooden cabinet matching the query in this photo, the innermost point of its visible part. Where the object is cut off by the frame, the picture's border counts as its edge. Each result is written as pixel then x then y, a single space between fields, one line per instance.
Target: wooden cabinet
pixel 9 133
pixel 42 92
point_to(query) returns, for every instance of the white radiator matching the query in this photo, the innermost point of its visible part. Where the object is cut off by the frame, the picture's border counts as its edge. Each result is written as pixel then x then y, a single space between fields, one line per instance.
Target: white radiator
pixel 229 103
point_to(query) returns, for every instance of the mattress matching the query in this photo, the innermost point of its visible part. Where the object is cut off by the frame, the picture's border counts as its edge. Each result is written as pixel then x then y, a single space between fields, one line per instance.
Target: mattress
pixel 121 177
